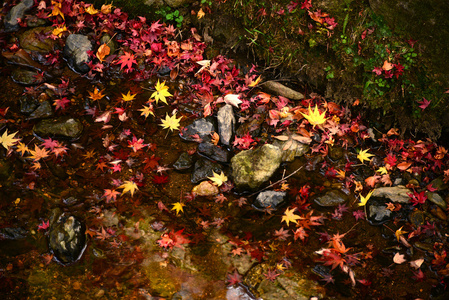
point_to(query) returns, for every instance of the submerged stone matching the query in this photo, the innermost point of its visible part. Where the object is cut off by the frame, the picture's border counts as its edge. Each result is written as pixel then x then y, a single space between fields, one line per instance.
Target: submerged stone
pixel 331 198
pixel 398 194
pixel 214 152
pixel 184 162
pixel 59 127
pixel 437 199
pixel 26 77
pixel 44 110
pixel 251 168
pixel 203 169
pixel 36 39
pixel 205 189
pixel 17 13
pixel 270 199
pixel 67 238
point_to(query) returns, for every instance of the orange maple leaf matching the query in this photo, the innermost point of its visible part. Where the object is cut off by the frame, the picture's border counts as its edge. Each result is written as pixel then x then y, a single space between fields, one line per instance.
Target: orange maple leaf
pixel 38 153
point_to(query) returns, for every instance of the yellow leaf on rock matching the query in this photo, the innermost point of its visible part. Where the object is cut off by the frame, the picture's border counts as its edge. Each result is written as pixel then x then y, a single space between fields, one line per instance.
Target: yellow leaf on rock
pixel 218 179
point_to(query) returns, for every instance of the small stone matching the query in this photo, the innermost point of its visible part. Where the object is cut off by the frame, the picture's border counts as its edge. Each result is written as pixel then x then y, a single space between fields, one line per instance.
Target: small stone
pixel 214 152
pixel 336 153
pixel 436 199
pixel 184 162
pixel 331 198
pixel 398 194
pixel 59 127
pixel 76 51
pixel 203 169
pixel 201 127
pixel 44 110
pixel 205 189
pixel 417 218
pixel 16 13
pixel 226 124
pixel 270 199
pixel 99 294
pixel 438 212
pixel 26 77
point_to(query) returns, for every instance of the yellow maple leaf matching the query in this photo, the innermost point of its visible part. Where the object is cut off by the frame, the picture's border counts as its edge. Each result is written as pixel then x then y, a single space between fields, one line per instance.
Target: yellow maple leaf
pixel 8 140
pixel 178 207
pixel 171 123
pixel 59 30
pixel 38 153
pixel 200 13
pixel 315 117
pixel 96 94
pixel 399 232
pixel 147 110
pixel 56 10
pixel 128 96
pixel 382 170
pixel 364 155
pixel 363 200
pixel 91 10
pixel 106 8
pixel 22 148
pixel 218 179
pixel 161 92
pixel 256 82
pixel 128 186
pixel 289 216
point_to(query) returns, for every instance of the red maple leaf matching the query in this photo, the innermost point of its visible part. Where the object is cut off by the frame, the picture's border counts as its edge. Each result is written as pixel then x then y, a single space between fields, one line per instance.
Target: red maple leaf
pixel 424 103
pixel 179 239
pixel 165 241
pixel 160 179
pixel 61 103
pixel 234 278
pixel 127 60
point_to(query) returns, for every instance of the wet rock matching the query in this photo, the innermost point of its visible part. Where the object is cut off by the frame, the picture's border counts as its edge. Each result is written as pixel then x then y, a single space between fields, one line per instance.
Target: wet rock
pixel 438 184
pixel 44 110
pixel 67 238
pixel 164 71
pixel 27 105
pixel 438 212
pixel 296 149
pixel 251 168
pixel 239 292
pixel 59 127
pixel 436 199
pixel 423 246
pixel 184 162
pixel 331 198
pixel 26 77
pixel 270 199
pixel 204 168
pixel 417 218
pixel 205 189
pixel 36 39
pixel 398 194
pixel 281 90
pixel 214 152
pixel 75 50
pixel 203 127
pixel 17 12
pixel 377 212
pixel 336 153
pixel 226 124
pixel 9 233
pixel 252 126
pixel 34 21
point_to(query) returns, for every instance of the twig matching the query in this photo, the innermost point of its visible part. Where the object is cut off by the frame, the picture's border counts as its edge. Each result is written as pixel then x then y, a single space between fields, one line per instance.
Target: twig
pixel 280 180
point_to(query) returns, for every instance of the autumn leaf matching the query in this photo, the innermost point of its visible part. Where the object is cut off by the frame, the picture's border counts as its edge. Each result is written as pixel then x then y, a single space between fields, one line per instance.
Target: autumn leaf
pixel 289 216
pixel 363 200
pixel 127 60
pixel 382 171
pixel 56 10
pixel 96 94
pixel 128 96
pixel 178 207
pixel 404 165
pixel 161 92
pixel 38 153
pixel 200 13
pixel 424 103
pixel 59 30
pixel 315 117
pixel 256 82
pixel 232 99
pixel 171 123
pixel 103 51
pixel 215 138
pixel 364 155
pixel 372 180
pixel 147 110
pixel 399 258
pixel 387 66
pixel 22 148
pixel 8 140
pixel 399 232
pixel 129 186
pixel 91 10
pixel 218 179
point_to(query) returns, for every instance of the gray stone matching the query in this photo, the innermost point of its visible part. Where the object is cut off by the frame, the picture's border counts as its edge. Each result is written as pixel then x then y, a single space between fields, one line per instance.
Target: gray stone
pixel 398 194
pixel 270 199
pixel 226 124
pixel 214 152
pixel 75 50
pixel 251 168
pixel 59 127
pixel 184 162
pixel 17 12
pixel 67 238
pixel 437 199
pixel 203 127
pixel 9 233
pixel 203 169
pixel 331 198
pixel 281 90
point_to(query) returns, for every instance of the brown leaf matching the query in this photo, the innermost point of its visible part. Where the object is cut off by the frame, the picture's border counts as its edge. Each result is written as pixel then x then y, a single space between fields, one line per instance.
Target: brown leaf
pixel 404 165
pixel 103 51
pixel 387 66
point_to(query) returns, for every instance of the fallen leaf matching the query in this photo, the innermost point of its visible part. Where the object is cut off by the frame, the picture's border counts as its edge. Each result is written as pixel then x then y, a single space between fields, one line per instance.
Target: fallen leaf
pixel 128 186
pixel 232 99
pixel 399 258
pixel 218 179
pixel 289 216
